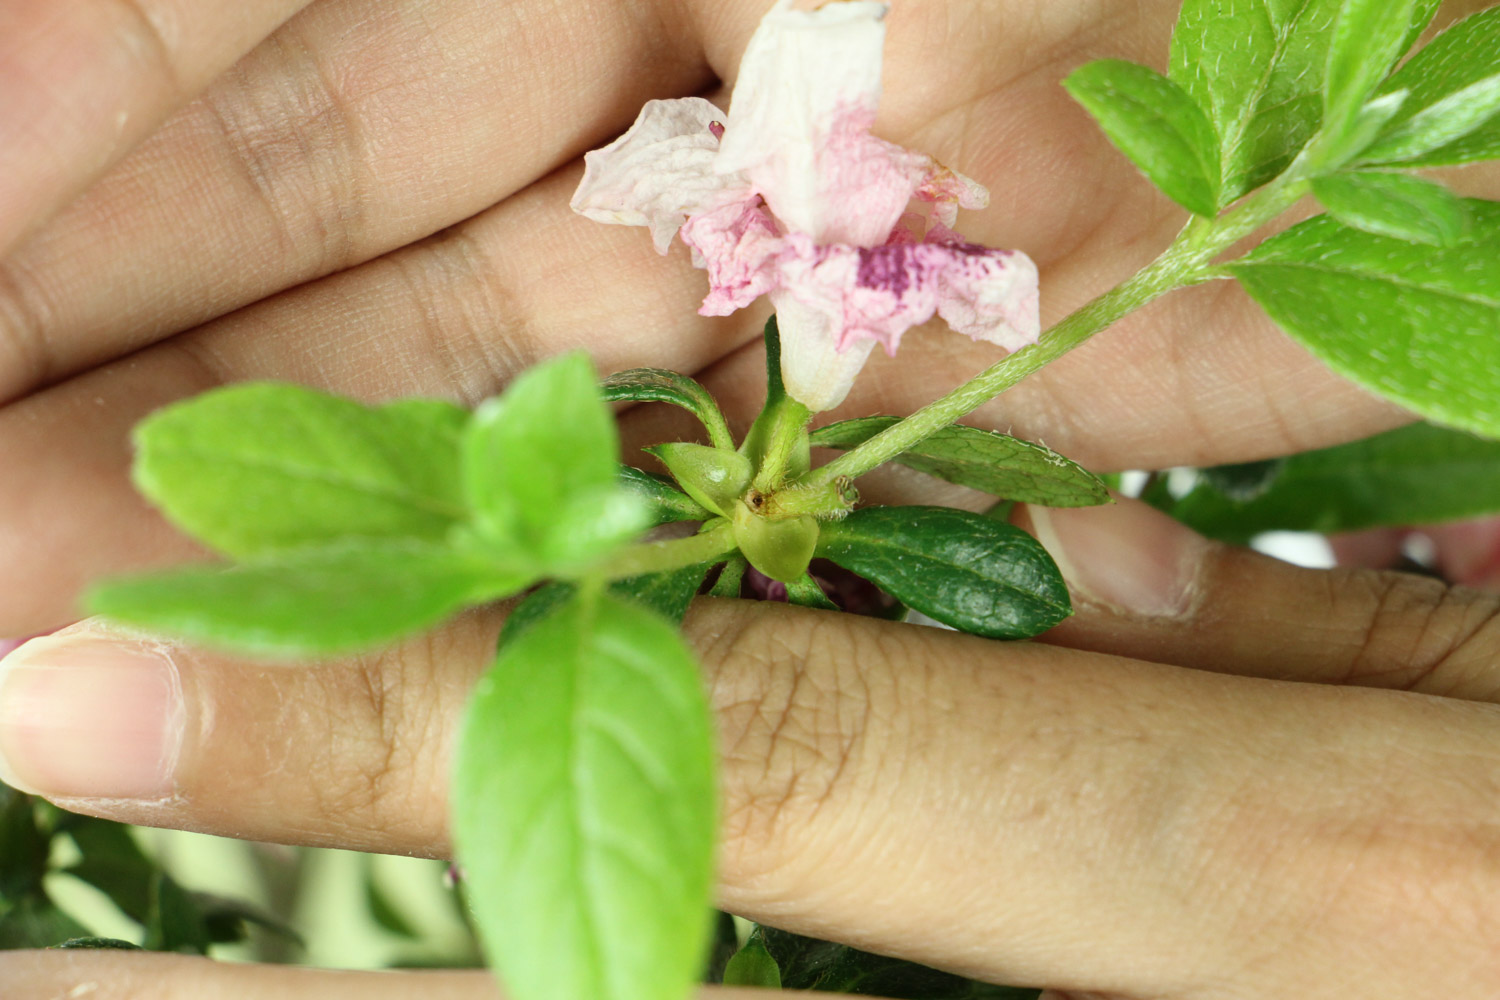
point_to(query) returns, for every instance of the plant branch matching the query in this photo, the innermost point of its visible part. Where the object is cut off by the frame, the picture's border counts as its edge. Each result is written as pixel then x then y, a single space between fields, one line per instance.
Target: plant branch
pixel 663 557
pixel 1183 263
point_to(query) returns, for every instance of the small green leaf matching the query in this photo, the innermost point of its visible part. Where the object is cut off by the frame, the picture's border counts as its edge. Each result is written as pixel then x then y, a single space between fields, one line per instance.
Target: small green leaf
pixel 264 467
pixel 808 594
pixel 384 912
pixel 584 807
pixel 730 578
pixel 998 464
pixel 656 385
pixel 24 847
pixel 780 549
pixel 540 469
pixel 1396 205
pixel 1450 101
pixel 175 922
pixel 112 862
pixel 665 502
pixel 965 570
pixel 97 944
pixel 668 594
pixel 224 919
pixel 753 966
pixel 1416 475
pixel 712 476
pixel 1243 480
pixel 1412 323
pixel 1368 37
pixel 311 602
pixel 1157 125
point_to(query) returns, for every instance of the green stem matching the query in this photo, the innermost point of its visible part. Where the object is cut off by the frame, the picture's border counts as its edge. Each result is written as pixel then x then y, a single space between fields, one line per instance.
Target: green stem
pixel 1183 263
pixel 787 430
pixel 663 557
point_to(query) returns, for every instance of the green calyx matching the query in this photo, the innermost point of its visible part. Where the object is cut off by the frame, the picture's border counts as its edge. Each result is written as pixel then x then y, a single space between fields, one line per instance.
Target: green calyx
pixel 714 477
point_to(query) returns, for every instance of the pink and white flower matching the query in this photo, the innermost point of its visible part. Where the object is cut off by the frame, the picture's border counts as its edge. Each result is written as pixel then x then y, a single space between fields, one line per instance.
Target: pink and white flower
pixel 789 195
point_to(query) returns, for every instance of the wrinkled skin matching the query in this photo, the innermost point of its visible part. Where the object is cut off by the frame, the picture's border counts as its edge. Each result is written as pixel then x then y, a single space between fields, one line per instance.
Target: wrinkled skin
pixel 373 200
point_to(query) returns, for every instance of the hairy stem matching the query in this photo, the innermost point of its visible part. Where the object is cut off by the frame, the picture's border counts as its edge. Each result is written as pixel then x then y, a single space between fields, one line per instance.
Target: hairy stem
pixel 1184 263
pixel 791 420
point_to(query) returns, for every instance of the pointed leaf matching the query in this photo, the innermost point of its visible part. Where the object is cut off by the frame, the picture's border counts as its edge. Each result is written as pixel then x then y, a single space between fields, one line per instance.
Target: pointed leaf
pixel 1412 323
pixel 998 464
pixel 754 967
pixel 1368 37
pixel 584 808
pixel 112 862
pixel 1395 205
pixel 1157 125
pixel 265 467
pixel 965 570
pixel 316 601
pixel 1450 89
pixel 36 922
pixel 656 385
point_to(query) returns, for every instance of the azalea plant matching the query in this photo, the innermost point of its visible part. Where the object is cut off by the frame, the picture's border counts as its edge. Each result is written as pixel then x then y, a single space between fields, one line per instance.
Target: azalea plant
pixel 583 784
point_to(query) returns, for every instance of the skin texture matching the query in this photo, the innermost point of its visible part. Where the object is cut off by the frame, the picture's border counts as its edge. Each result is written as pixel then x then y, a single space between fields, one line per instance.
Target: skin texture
pixel 373 200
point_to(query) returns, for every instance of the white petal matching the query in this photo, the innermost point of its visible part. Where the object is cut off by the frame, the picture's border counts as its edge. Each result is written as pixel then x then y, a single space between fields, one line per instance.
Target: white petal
pixel 806 78
pixel 659 172
pixel 817 374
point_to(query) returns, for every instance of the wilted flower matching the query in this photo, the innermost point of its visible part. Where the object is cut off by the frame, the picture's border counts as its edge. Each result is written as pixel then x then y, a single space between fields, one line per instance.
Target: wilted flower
pixel 789 195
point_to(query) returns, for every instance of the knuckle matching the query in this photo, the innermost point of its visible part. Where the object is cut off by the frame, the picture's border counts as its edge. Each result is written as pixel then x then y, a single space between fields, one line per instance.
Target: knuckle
pixel 1420 634
pixel 803 700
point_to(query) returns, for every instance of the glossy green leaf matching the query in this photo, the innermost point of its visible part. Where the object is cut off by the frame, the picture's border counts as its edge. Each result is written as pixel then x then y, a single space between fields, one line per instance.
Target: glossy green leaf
pixel 1449 115
pixel 752 966
pixel 664 501
pixel 668 594
pixel 995 463
pixel 264 467
pixel 656 385
pixel 712 476
pixel 1157 125
pixel 974 573
pixel 584 808
pixel 311 602
pixel 1258 68
pixel 1368 37
pixel 1412 323
pixel 1396 205
pixel 1416 475
pixel 540 469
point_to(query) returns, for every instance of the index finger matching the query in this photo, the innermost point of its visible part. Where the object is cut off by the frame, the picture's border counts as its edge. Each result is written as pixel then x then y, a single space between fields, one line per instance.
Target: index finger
pixel 83 83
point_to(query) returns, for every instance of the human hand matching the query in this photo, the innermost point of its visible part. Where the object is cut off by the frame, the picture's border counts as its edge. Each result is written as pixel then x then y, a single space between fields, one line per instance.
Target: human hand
pixel 302 309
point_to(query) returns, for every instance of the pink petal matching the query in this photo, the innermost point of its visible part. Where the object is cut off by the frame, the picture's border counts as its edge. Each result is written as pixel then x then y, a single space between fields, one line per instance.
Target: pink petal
pixel 738 245
pixel 817 370
pixel 660 172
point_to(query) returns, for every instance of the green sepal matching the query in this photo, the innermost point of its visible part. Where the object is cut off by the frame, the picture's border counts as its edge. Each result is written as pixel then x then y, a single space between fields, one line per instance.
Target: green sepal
pixel 752 966
pixel 780 549
pixel 759 439
pixel 805 591
pixel 712 476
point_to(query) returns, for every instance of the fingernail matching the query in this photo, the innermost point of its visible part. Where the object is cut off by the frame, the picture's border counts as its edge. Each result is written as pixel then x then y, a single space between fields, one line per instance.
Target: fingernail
pixel 1127 556
pixel 85 716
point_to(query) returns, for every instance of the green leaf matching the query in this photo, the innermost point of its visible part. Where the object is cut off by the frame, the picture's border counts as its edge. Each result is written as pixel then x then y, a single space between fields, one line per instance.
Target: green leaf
pixel 823 966
pixel 385 913
pixel 668 594
pixel 1412 323
pixel 540 469
pixel 965 570
pixel 1368 37
pixel 36 922
pixel 175 922
pixel 656 385
pixel 264 467
pixel 584 808
pixel 730 578
pixel 311 602
pixel 1395 205
pixel 1416 475
pixel 24 847
pixel 113 863
pixel 753 966
pixel 664 501
pixel 1449 115
pixel 808 594
pixel 1258 67
pixel 712 476
pixel 998 464
pixel 1243 480
pixel 1157 125
pixel 224 919
pixel 780 549
pixel 97 944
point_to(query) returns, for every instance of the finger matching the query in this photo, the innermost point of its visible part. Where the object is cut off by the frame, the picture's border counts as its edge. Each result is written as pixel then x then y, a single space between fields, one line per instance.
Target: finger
pixel 354 130
pixel 1145 586
pixel 114 975
pixel 1014 812
pixel 83 83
